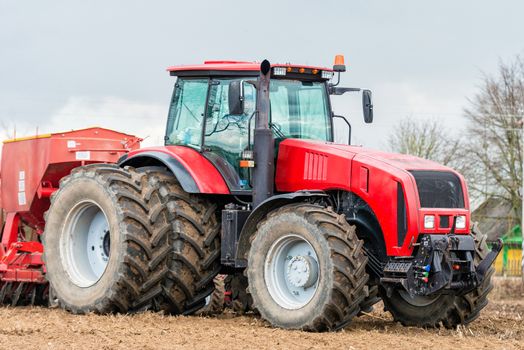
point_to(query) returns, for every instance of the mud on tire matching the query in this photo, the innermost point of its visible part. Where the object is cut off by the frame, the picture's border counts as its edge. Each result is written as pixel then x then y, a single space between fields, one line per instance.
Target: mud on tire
pixel 164 243
pixel 215 301
pixel 241 301
pixel 341 265
pixel 194 260
pixel 139 224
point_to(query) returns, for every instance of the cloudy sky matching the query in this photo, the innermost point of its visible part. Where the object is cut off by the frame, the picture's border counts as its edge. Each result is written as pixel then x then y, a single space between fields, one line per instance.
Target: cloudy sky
pixel 71 64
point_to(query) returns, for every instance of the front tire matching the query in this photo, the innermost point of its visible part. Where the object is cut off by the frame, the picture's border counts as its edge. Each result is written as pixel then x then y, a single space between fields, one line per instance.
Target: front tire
pixel 306 269
pixel 446 309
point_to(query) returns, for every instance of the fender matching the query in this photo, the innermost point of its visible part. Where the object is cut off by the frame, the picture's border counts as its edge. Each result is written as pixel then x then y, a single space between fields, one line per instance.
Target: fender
pixel 195 173
pixel 261 211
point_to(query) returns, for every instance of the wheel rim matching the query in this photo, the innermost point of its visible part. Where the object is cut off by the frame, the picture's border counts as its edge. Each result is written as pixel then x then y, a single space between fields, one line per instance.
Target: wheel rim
pixel 291 272
pixel 85 244
pixel 417 300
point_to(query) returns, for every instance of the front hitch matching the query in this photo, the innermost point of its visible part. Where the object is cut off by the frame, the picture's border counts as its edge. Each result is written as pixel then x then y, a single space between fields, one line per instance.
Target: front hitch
pixel 442 263
pixel 488 260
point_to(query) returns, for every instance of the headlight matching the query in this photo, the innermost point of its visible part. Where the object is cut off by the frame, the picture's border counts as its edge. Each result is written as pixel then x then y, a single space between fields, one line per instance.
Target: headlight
pixel 460 221
pixel 429 221
pixel 279 70
pixel 327 74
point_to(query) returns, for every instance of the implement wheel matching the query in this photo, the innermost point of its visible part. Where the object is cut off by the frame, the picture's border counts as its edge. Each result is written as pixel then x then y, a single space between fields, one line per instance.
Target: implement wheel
pixel 307 269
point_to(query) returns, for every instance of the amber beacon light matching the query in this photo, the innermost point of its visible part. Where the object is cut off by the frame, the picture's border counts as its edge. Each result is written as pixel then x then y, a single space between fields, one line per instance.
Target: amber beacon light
pixel 339 65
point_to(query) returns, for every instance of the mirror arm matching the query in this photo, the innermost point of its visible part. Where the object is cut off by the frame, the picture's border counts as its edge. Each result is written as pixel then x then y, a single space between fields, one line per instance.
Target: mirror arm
pixel 341 90
pixel 348 124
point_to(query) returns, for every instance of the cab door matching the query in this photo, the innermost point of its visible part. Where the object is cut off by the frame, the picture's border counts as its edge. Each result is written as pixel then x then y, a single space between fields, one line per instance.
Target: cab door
pixel 226 134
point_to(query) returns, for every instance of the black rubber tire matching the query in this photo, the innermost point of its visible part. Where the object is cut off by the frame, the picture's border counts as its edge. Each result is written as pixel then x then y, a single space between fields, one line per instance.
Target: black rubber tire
pixel 447 310
pixel 140 224
pixel 373 297
pixel 215 303
pixel 241 300
pixel 195 253
pixel 342 267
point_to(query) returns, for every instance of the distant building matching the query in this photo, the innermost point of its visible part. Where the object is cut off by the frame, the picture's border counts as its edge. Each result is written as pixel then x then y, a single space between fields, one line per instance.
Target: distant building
pixel 496 219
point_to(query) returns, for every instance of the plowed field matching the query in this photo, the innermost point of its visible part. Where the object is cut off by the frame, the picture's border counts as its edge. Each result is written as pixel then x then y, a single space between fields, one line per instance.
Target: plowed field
pixel 500 326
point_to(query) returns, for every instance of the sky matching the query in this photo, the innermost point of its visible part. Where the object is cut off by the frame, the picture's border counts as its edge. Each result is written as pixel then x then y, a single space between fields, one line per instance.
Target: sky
pixel 73 64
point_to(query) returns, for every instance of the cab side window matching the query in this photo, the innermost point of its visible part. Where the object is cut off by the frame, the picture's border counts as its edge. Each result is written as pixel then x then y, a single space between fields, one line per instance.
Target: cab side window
pixel 226 134
pixel 186 112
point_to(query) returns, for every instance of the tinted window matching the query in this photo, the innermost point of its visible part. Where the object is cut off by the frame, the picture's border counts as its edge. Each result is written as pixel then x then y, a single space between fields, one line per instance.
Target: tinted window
pixel 439 189
pixel 186 112
pixel 299 109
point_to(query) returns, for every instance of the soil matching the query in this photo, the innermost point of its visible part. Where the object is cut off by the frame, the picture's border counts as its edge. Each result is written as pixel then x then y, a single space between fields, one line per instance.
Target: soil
pixel 500 326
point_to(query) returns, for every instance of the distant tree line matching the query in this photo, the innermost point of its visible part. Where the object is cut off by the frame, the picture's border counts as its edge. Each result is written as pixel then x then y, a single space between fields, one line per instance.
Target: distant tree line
pixel 489 152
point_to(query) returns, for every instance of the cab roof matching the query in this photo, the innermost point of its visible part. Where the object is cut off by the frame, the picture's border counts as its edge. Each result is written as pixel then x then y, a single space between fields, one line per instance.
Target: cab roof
pixel 232 68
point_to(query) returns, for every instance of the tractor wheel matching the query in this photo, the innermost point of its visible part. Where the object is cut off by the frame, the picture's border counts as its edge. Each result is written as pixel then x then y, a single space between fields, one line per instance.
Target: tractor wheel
pixel 107 239
pixel 195 252
pixel 307 268
pixel 445 309
pixel 366 306
pixel 241 300
pixel 215 301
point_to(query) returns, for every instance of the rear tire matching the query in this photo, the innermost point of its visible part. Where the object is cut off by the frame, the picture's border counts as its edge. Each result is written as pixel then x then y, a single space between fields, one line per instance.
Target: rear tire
pixel 306 268
pixel 448 310
pixel 195 252
pixel 128 206
pixel 241 300
pixel 215 301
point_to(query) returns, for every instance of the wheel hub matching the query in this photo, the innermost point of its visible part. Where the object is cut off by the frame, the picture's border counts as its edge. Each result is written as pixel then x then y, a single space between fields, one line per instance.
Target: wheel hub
pixel 291 271
pixel 98 243
pixel 86 244
pixel 302 271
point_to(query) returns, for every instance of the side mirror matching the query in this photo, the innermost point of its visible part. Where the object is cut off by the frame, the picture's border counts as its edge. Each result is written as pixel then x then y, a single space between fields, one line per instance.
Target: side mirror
pixel 367 105
pixel 236 97
pixel 347 123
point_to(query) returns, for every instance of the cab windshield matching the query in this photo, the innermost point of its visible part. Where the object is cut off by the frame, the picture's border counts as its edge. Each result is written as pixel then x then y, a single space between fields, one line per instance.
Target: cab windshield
pixel 298 109
pixel 199 117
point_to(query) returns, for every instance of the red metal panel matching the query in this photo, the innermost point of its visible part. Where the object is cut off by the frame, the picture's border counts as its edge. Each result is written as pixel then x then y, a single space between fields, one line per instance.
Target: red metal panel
pixel 10 232
pixel 235 66
pixel 364 178
pixel 372 175
pixel 31 170
pixel 310 165
pixel 29 162
pixel 206 176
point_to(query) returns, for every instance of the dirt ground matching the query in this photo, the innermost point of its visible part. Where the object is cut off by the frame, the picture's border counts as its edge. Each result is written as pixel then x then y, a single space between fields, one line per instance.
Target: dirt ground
pixel 500 326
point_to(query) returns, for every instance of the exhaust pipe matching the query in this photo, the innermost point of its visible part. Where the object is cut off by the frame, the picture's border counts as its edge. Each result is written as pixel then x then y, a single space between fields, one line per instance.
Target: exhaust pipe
pixel 264 143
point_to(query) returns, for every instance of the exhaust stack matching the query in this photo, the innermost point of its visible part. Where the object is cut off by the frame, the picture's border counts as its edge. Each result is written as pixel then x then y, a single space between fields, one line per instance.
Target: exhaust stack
pixel 264 144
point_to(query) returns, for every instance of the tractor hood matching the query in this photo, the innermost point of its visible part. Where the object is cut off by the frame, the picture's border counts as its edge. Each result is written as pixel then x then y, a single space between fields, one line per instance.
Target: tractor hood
pixel 396 160
pixel 388 183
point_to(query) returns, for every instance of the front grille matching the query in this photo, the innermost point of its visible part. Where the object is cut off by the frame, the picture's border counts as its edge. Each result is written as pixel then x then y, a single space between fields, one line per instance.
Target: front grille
pixel 444 221
pixel 439 189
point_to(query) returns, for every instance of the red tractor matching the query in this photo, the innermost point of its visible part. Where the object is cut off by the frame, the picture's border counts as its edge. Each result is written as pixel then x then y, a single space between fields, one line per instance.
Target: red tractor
pixel 250 184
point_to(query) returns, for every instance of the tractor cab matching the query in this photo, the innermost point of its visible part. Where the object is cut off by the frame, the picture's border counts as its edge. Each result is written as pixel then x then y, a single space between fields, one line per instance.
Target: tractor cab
pixel 213 110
